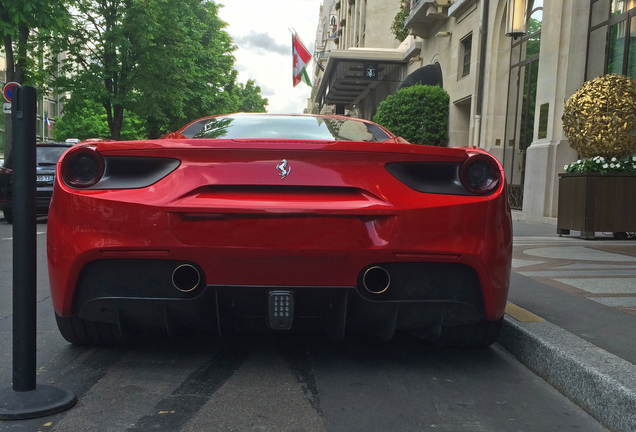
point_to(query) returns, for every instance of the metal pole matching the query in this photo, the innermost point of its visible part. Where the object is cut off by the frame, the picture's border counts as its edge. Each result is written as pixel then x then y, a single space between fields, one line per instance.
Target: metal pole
pixel 24 241
pixel 26 399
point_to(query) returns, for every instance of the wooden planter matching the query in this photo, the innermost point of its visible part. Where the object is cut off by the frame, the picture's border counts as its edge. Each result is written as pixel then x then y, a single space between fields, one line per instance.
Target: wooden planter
pixel 593 202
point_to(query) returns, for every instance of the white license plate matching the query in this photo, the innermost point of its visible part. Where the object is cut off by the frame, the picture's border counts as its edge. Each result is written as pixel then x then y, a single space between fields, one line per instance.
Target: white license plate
pixel 44 178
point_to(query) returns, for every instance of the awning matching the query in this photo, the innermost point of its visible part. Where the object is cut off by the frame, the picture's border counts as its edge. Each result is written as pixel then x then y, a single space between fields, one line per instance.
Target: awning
pixel 351 74
pixel 426 75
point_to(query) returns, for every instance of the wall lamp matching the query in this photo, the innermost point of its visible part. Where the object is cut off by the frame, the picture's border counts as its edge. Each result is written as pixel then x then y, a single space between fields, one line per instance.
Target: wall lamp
pixel 516 18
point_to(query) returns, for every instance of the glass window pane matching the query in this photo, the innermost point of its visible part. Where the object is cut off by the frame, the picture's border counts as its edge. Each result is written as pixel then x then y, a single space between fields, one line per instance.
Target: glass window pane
pixel 596 53
pixel 631 55
pixel 620 6
pixel 616 48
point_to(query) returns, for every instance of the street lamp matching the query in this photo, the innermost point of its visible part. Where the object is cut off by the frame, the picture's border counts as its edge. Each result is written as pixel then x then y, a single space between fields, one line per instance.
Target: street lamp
pixel 516 19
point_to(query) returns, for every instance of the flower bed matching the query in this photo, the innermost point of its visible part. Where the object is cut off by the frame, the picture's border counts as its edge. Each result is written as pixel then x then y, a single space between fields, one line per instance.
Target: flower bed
pixel 601 165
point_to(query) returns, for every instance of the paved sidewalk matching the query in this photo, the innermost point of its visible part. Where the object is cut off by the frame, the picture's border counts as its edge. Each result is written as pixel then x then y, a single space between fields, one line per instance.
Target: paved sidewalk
pixel 572 318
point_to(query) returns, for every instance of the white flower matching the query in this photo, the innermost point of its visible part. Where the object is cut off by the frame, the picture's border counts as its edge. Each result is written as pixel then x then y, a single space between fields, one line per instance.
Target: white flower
pixel 597 160
pixel 605 166
pixel 634 158
pixel 578 161
pixel 566 167
pixel 618 165
pixel 612 165
pixel 613 159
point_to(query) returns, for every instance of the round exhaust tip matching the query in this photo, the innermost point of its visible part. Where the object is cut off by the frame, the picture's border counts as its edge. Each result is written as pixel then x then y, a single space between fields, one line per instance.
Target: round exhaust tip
pixel 376 280
pixel 186 278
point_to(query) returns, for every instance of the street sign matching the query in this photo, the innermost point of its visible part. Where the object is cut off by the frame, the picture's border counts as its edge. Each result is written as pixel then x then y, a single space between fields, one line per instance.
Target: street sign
pixel 6 107
pixel 8 88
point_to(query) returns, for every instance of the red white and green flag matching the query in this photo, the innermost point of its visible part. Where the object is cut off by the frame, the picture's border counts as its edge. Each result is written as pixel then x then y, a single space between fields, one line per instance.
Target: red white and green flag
pixel 301 58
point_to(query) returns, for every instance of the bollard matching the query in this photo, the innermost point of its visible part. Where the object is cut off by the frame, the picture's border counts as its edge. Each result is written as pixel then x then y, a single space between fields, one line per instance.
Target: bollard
pixel 26 399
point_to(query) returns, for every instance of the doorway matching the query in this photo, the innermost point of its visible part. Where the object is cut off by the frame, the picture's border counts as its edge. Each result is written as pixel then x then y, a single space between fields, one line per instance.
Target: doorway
pixel 522 95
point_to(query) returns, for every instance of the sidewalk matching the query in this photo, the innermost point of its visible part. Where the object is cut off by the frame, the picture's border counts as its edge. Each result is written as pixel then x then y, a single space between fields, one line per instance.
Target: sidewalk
pixel 572 318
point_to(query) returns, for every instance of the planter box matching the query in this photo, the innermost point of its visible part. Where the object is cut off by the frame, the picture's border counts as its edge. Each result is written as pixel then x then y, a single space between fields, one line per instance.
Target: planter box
pixel 593 202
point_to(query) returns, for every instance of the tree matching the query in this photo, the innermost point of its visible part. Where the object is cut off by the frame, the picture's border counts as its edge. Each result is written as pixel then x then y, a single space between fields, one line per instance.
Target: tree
pixel 85 118
pixel 187 72
pixel 168 62
pixel 249 97
pixel 18 21
pixel 418 113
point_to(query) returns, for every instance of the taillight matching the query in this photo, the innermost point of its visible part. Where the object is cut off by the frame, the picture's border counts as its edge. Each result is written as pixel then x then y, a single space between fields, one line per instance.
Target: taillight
pixel 82 167
pixel 480 174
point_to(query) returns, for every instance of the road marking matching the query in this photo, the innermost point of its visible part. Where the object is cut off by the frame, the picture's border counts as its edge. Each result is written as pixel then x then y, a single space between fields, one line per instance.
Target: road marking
pixel 521 314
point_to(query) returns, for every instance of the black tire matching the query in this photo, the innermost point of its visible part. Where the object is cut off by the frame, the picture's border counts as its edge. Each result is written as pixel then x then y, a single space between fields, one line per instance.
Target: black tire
pixel 81 332
pixel 480 335
pixel 8 216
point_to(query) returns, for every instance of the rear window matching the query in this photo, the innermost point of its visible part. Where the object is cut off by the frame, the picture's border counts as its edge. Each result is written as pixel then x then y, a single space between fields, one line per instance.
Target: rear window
pixel 49 155
pixel 285 127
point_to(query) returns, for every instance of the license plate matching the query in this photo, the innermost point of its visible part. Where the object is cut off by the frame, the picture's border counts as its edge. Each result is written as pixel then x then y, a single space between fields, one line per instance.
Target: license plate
pixel 45 179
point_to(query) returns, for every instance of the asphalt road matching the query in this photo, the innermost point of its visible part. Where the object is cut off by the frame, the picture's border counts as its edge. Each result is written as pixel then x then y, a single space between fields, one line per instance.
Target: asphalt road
pixel 278 382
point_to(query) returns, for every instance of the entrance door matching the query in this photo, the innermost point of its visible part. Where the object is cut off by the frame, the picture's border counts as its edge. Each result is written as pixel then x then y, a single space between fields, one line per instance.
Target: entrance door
pixel 522 93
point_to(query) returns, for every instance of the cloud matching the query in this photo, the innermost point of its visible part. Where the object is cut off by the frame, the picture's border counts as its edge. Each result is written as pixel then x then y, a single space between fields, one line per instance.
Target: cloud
pixel 260 29
pixel 267 90
pixel 262 41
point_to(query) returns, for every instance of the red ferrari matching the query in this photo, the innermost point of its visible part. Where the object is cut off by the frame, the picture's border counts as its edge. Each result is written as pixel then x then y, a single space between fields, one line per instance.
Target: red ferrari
pixel 279 222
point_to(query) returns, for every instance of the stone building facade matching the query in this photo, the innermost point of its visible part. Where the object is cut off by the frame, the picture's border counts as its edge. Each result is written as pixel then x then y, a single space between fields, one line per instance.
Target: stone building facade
pixel 507 94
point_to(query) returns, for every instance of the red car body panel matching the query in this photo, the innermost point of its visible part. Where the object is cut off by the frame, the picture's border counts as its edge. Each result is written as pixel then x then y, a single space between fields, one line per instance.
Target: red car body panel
pixel 227 209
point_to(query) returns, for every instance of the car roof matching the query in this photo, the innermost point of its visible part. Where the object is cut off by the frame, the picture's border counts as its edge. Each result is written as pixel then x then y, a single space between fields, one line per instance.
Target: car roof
pixel 53 144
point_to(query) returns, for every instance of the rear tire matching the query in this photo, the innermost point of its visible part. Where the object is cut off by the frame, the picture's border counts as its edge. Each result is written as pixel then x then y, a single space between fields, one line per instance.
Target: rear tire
pixel 81 332
pixel 479 335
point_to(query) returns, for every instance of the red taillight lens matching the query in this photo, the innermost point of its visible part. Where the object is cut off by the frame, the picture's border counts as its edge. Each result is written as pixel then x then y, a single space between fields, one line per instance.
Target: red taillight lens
pixel 480 174
pixel 82 167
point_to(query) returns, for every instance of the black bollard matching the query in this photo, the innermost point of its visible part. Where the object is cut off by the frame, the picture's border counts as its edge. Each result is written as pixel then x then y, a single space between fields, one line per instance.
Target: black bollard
pixel 26 399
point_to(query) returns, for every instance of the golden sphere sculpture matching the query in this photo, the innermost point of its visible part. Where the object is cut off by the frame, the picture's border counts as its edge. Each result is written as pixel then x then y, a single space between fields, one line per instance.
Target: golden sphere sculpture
pixel 600 118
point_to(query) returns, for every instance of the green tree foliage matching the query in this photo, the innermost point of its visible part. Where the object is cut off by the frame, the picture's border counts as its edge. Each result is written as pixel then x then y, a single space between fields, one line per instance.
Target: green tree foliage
pixel 185 63
pixel 19 19
pixel 167 61
pixel 85 118
pixel 397 27
pixel 249 97
pixel 419 114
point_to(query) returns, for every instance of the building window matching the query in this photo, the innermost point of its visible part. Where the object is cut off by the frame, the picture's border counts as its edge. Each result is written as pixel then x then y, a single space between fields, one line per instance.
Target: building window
pixel 611 43
pixel 466 47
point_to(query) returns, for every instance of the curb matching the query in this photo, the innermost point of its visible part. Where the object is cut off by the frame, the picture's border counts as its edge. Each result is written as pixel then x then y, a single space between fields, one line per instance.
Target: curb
pixel 601 383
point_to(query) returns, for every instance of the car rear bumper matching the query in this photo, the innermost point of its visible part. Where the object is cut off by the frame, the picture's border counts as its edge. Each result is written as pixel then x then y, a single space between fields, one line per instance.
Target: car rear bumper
pixel 303 252
pixel 146 293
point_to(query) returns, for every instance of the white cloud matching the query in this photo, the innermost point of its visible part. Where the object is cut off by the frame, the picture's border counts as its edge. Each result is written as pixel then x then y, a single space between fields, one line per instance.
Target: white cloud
pixel 260 29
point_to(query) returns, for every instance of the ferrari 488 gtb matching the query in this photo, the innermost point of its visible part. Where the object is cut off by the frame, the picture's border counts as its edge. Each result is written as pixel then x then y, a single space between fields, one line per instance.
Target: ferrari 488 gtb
pixel 296 222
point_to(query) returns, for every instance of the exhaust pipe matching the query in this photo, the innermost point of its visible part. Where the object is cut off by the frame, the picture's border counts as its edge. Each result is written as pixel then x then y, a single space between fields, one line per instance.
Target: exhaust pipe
pixel 186 278
pixel 376 280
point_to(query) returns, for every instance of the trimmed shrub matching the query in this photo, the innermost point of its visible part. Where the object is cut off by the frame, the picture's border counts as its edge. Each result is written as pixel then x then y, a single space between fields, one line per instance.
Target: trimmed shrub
pixel 419 114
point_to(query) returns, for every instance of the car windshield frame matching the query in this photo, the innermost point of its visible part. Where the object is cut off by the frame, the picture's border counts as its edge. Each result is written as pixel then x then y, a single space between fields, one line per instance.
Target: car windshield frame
pixel 310 128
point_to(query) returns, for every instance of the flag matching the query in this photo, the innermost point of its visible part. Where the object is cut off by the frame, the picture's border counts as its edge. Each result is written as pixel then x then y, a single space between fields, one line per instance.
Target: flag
pixel 301 58
pixel 47 122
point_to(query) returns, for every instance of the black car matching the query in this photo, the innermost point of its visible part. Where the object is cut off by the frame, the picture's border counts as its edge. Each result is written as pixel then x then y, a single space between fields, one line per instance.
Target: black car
pixel 47 155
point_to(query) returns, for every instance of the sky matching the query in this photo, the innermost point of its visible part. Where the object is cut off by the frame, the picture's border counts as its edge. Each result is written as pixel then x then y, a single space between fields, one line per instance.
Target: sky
pixel 260 29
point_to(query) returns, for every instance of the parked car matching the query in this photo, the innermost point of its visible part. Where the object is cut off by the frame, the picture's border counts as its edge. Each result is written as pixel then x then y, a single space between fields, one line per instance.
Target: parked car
pixel 279 222
pixel 47 155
